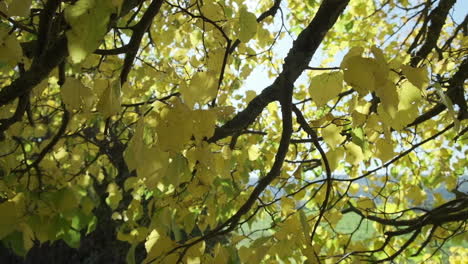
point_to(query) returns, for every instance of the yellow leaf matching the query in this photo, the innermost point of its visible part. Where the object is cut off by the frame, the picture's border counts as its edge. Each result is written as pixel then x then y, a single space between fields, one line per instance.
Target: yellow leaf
pixel 365 203
pixel 417 76
pixel 214 61
pixel 157 243
pixel 287 205
pixel 325 87
pixel 152 166
pixel 11 51
pixel 109 103
pixel 334 216
pixel 175 128
pixel 358 118
pixel 254 152
pixel 249 95
pixel 115 195
pixel 117 4
pixel 8 219
pixel 195 252
pixel 135 147
pixel 88 20
pixel 76 96
pixel 204 122
pixel 247 25
pixel 151 240
pixel 334 157
pixel 417 194
pixel 359 74
pixel 212 11
pixel 384 150
pixel 331 135
pixel 305 225
pixel 28 236
pixel 202 89
pixel 387 92
pixel 448 103
pixel 221 255
pixel 354 51
pixel 408 95
pixel 19 8
pixel 354 153
pixel 67 200
pixel 378 54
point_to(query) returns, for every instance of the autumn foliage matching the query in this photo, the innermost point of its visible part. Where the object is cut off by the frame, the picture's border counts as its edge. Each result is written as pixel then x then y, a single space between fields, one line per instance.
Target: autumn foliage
pixel 131 131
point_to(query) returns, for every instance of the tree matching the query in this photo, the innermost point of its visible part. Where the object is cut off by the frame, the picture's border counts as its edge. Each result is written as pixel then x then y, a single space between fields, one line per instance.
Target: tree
pixel 127 133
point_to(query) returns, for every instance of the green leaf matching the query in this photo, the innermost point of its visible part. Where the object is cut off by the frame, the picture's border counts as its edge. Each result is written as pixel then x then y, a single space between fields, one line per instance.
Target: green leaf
pixel 349 26
pixel 72 238
pixel 15 242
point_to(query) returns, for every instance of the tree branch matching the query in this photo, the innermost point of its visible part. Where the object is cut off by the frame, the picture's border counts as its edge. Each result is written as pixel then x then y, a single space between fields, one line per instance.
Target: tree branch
pixel 437 18
pixel 42 67
pixel 139 30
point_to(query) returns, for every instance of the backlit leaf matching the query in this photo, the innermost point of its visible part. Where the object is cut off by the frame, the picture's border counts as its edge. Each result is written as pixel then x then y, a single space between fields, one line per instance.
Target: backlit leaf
pixel 384 150
pixel 359 74
pixel 254 152
pixel 202 89
pixel 325 87
pixel 114 197
pixel 419 77
pixel 331 135
pixel 77 96
pixel 354 153
pixel 88 20
pixel 109 102
pixel 247 25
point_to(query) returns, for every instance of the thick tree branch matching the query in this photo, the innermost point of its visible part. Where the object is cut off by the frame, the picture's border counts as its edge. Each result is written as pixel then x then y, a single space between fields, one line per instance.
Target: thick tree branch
pixel 296 62
pixel 45 25
pixel 437 19
pixel 17 24
pixel 329 181
pixel 21 107
pixel 54 54
pixel 456 93
pixel 39 70
pixel 139 30
pixel 116 51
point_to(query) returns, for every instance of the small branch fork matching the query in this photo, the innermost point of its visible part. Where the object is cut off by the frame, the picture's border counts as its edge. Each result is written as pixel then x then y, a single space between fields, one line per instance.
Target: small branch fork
pixel 452 211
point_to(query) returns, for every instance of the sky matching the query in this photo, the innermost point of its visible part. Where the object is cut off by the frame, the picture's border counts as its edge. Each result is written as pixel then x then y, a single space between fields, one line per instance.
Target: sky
pixel 258 79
